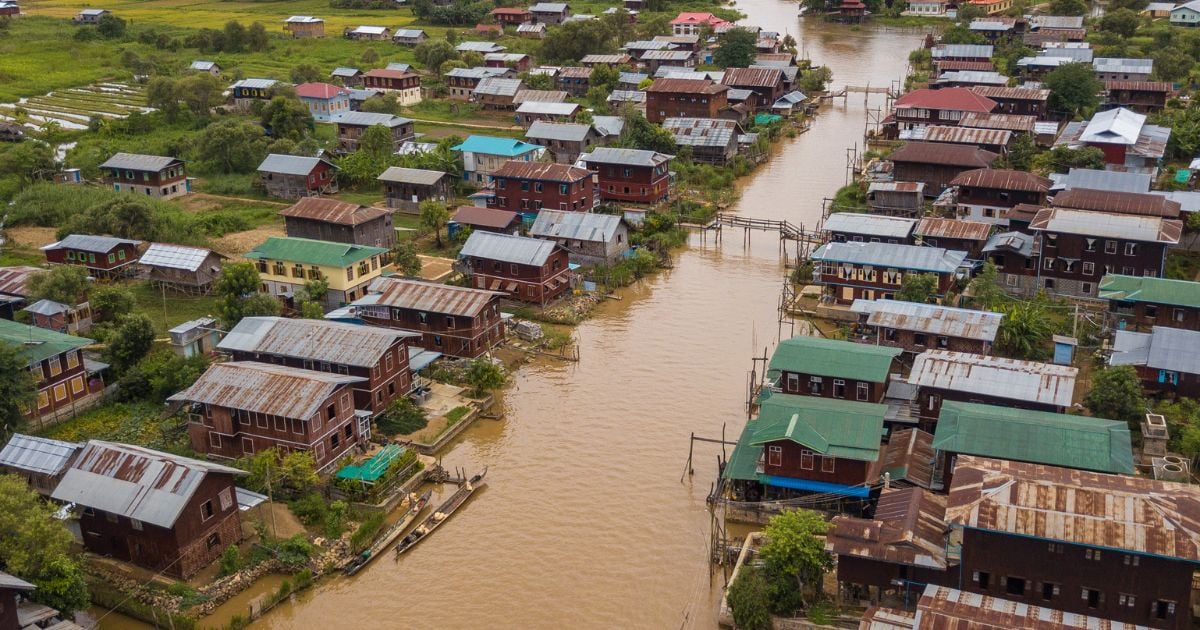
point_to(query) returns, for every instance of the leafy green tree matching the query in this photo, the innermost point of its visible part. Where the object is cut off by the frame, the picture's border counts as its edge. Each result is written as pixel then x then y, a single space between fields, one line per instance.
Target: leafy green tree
pixel 471 59
pixel 1172 64
pixel 65 284
pixel 290 472
pixel 749 599
pixel 26 161
pixel 111 26
pixel 257 39
pixel 159 375
pixel 1068 7
pixel 381 104
pixel 200 92
pixel 484 376
pixel 986 292
pixel 639 133
pixel 796 550
pixel 110 303
pixel 1021 152
pixel 261 305
pixel 815 79
pixel 433 52
pixel 306 73
pixel 130 342
pixel 369 56
pixel 287 118
pixel 37 547
pixel 434 215
pixel 18 391
pixel 918 288
pixel 1133 5
pixel 1025 331
pixel 1116 394
pixel 162 94
pixel 967 12
pixel 736 49
pixel 1062 159
pixel 404 256
pixel 538 81
pixel 1123 22
pixel 238 282
pixel 377 142
pixel 1073 87
pixel 570 42
pixel 1184 142
pixel 959 34
pixel 231 146
pixel 235 37
pixel 312 299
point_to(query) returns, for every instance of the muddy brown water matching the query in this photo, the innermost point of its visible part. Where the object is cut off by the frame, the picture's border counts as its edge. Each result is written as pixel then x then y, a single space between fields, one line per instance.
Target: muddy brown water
pixel 584 522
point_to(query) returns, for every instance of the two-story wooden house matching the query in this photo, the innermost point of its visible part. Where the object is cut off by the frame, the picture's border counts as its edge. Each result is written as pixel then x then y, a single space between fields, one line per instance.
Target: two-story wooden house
pixel 65 385
pixel 246 92
pixel 690 98
pixel 528 269
pixel 985 194
pixel 856 227
pixel 461 82
pixel 803 445
pixel 565 141
pixel 966 236
pixel 1140 303
pixel 831 368
pixel 629 175
pixel 945 106
pixel 378 355
pixel 405 188
pixel 937 164
pixel 325 219
pixel 589 238
pixel 325 101
pixel 402 85
pixel 150 175
pixel 190 270
pixel 295 176
pixel 574 80
pixel 456 321
pixel 351 125
pixel 166 513
pixel 1144 97
pixel 1078 247
pixel 1113 546
pixel 304 26
pixel 1126 139
pixel 915 327
pixel 1036 437
pixel 286 264
pixel 1023 101
pixel 941 375
pixel 1166 359
pixel 102 256
pixel 241 407
pixel 483 155
pixel 530 186
pixel 710 140
pixel 852 271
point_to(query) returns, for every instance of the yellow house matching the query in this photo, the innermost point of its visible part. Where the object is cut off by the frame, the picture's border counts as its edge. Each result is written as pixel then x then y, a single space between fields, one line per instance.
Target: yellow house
pixel 285 264
pixel 992 7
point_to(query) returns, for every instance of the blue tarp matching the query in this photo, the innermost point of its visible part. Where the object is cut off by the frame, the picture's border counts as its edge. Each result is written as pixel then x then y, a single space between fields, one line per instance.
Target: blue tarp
pixel 814 486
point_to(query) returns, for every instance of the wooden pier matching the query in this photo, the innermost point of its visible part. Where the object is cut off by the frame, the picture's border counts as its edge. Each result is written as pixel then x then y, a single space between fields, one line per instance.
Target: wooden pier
pixel 804 239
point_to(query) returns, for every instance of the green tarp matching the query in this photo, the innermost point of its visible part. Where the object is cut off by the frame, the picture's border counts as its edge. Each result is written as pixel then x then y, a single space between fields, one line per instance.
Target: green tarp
pixel 371 470
pixel 1182 176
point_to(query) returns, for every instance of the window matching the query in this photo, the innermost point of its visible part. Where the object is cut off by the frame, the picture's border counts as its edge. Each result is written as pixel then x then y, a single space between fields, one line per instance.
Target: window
pixel 135 524
pixel 1110 247
pixel 793 382
pixel 1055 548
pixel 260 420
pixel 1130 249
pixel 349 431
pixel 839 388
pixel 206 510
pixel 889 334
pixel 449 325
pixel 774 455
pixel 982 578
pixel 1089 244
pixel 1048 264
pixel 864 391
pixel 214 440
pixel 1092 554
pixel 815 385
pixel 1127 600
pixel 1051 240
pixel 1178 314
pixel 1092 596
pixel 1128 271
pixel 349 273
pixel 919 339
pixel 77 385
pixel 827 464
pixel 333 441
pixel 55 366
pixel 1151 310
pixel 331 412
pixel 1164 609
pixel 226 497
pixel 1014 586
pixel 806 460
pixel 247 445
pixel 1089 269
pixel 213 540
pixel 1049 590
pixel 943 342
pixel 112 258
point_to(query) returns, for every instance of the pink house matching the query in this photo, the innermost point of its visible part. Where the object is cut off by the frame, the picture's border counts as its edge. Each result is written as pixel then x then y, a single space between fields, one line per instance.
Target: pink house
pixel 688 23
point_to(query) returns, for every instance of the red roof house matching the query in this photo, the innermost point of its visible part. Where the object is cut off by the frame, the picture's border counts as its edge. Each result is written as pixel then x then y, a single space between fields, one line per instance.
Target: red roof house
pixel 690 23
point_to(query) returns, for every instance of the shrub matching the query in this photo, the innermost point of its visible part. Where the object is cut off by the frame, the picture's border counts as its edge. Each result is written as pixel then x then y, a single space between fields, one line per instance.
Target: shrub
pixel 231 560
pixel 366 532
pixel 402 417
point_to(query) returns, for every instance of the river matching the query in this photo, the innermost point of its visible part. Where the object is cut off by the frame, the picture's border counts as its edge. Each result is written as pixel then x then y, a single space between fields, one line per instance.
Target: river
pixel 584 522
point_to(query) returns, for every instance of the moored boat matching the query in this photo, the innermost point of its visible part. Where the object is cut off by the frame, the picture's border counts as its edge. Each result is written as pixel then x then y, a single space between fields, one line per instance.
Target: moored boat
pixel 390 535
pixel 442 513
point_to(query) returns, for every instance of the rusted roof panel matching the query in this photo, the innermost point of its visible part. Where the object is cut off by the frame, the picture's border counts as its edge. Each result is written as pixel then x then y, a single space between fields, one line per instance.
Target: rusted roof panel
pixel 752 77
pixel 313 339
pixel 1144 204
pixel 1140 86
pixel 968 135
pixel 13 279
pixel 686 86
pixel 428 296
pixel 134 482
pixel 1002 179
pixel 931 319
pixel 1133 227
pixel 989 120
pixel 909 457
pixel 1087 508
pixel 953 228
pixel 945 608
pixel 1010 93
pixel 1012 379
pixel 881 618
pixel 543 171
pixel 943 154
pixel 908 528
pixel 265 388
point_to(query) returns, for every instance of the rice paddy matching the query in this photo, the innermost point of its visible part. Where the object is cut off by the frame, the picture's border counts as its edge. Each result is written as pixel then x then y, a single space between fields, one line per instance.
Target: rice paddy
pixel 73 107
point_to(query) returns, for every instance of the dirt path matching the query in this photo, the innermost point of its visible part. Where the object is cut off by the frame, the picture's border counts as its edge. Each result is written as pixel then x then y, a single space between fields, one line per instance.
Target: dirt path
pixel 462 124
pixel 200 195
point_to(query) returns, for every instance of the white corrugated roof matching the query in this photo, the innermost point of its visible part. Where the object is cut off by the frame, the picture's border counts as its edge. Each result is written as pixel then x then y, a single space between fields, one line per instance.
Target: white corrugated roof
pixel 1115 126
pixel 508 248
pixel 870 224
pixel 1029 381
pixel 174 256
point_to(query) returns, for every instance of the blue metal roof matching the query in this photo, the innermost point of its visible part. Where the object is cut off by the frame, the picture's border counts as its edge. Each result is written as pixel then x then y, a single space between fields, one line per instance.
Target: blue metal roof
pixel 814 486
pixel 496 146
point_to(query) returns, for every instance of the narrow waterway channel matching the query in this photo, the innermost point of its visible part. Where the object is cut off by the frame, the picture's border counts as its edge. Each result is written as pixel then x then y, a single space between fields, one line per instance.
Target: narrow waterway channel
pixel 584 523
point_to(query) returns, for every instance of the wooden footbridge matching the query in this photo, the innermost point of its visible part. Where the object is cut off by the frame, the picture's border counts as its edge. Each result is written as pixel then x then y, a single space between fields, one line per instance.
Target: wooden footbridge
pixel 804 239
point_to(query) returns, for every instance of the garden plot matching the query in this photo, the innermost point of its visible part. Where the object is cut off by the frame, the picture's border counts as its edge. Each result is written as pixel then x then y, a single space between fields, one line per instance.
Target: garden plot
pixel 73 107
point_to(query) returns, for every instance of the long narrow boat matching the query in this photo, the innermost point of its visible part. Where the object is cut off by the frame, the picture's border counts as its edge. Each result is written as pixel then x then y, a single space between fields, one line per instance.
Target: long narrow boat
pixel 389 536
pixel 441 514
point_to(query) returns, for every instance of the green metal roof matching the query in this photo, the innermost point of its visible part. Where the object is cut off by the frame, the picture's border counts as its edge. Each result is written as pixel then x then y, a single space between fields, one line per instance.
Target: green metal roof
pixel 311 252
pixel 829 426
pixel 38 344
pixel 372 469
pixel 833 358
pixel 743 462
pixel 1037 437
pixel 1152 290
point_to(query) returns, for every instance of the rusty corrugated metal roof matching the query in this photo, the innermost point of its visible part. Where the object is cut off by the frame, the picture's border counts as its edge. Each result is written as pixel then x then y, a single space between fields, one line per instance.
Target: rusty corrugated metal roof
pixel 134 482
pixel 543 171
pixel 1075 506
pixel 313 339
pixel 430 297
pixel 909 457
pixel 990 120
pixel 968 135
pixel 686 86
pixel 945 608
pixel 953 228
pixel 1012 379
pixel 264 388
pixel 908 528
pixel 753 77
pixel 13 279
pixel 1002 179
pixel 1114 201
pixel 1010 93
pixel 943 154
